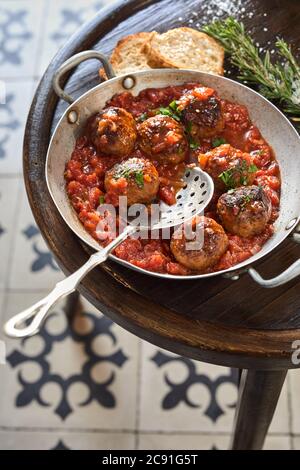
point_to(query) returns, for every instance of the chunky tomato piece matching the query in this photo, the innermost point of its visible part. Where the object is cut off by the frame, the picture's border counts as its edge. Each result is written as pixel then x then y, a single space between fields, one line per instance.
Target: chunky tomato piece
pixel 85 173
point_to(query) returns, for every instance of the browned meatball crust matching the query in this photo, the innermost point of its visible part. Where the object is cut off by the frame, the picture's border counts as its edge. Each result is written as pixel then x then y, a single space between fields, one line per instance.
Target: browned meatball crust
pixel 228 167
pixel 201 109
pixel 245 211
pixel 136 178
pixel 163 139
pixel 214 244
pixel 113 132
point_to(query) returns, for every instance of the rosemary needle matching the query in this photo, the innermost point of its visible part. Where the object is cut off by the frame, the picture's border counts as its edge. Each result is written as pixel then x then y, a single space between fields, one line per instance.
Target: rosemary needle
pixel 278 80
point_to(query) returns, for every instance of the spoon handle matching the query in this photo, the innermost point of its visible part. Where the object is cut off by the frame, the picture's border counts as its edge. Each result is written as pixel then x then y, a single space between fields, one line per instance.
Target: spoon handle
pixel 18 327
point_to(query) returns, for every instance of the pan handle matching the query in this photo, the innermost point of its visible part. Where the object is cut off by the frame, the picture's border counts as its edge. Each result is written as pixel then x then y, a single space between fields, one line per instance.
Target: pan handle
pixel 73 62
pixel 286 276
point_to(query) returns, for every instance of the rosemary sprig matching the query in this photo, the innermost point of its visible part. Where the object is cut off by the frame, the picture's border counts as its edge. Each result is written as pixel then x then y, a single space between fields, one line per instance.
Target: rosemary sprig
pixel 278 80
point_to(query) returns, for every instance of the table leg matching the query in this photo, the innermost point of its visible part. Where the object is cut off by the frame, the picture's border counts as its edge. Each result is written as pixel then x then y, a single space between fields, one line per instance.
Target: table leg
pixel 72 305
pixel 240 371
pixel 259 392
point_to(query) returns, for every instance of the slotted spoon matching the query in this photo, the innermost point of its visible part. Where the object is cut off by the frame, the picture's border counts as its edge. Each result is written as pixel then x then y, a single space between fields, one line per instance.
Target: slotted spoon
pixel 191 200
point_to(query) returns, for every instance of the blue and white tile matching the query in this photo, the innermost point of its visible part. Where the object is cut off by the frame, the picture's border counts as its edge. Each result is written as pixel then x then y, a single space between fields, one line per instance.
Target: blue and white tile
pixel 41 440
pixel 151 441
pixel 185 395
pixel 63 19
pixel 177 441
pixel 33 266
pixel 14 109
pixel 79 374
pixel 294 376
pixel 191 396
pixel 9 191
pixel 20 35
pixel 278 442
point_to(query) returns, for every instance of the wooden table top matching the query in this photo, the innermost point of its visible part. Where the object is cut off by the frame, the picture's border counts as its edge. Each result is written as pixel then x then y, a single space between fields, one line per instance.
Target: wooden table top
pixel 217 320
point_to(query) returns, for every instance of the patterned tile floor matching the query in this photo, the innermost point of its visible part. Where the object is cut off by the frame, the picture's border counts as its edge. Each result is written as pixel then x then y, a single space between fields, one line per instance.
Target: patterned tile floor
pixel 84 384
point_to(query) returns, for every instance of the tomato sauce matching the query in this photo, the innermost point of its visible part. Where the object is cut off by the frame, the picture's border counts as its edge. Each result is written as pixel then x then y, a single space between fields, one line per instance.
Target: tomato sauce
pixel 86 169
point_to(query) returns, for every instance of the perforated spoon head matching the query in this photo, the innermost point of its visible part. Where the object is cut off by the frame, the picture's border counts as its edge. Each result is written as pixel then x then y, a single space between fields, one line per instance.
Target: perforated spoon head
pixel 191 200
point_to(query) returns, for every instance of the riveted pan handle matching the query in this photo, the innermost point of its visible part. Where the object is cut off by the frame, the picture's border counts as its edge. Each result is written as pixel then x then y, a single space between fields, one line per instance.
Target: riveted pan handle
pixel 290 273
pixel 73 62
pixel 287 275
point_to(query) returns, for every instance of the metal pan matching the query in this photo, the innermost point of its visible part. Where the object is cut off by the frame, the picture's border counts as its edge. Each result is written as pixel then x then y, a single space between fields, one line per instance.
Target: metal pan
pixel 274 126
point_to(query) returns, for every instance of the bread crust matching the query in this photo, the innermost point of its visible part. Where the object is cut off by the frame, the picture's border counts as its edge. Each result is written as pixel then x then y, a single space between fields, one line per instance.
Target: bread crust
pixel 160 59
pixel 126 46
pixel 146 50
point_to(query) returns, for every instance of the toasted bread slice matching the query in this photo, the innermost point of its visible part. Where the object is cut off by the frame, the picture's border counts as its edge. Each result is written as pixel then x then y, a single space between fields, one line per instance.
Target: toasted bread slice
pixel 129 54
pixel 185 48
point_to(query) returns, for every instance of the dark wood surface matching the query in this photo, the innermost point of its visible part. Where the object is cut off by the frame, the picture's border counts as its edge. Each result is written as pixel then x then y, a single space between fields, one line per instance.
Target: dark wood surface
pixel 216 320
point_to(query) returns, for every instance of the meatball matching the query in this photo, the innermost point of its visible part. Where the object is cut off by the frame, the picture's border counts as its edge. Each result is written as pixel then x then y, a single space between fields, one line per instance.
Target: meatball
pixel 113 132
pixel 163 139
pixel 136 178
pixel 245 211
pixel 201 109
pixel 228 167
pixel 214 244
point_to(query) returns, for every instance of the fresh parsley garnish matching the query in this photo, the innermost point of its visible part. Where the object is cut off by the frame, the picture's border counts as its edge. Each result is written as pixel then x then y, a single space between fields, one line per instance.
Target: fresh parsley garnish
pixel 171 111
pixel 168 112
pixel 189 127
pixel 101 200
pixel 174 106
pixel 134 172
pixel 227 178
pixel 246 199
pixel 237 175
pixel 255 153
pixel 194 145
pixel 142 117
pixel 218 141
pixel 139 178
pixel 252 168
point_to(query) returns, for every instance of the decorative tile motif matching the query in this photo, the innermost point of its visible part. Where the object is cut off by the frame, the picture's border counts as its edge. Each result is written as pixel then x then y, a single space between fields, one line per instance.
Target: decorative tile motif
pixel 179 392
pixel 8 203
pixel 185 395
pixel 13 115
pixel 191 396
pixel 14 30
pixel 29 440
pixel 100 392
pixel 38 269
pixel 9 123
pixel 43 258
pixel 19 37
pixel 60 446
pixel 73 374
pixel 64 18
